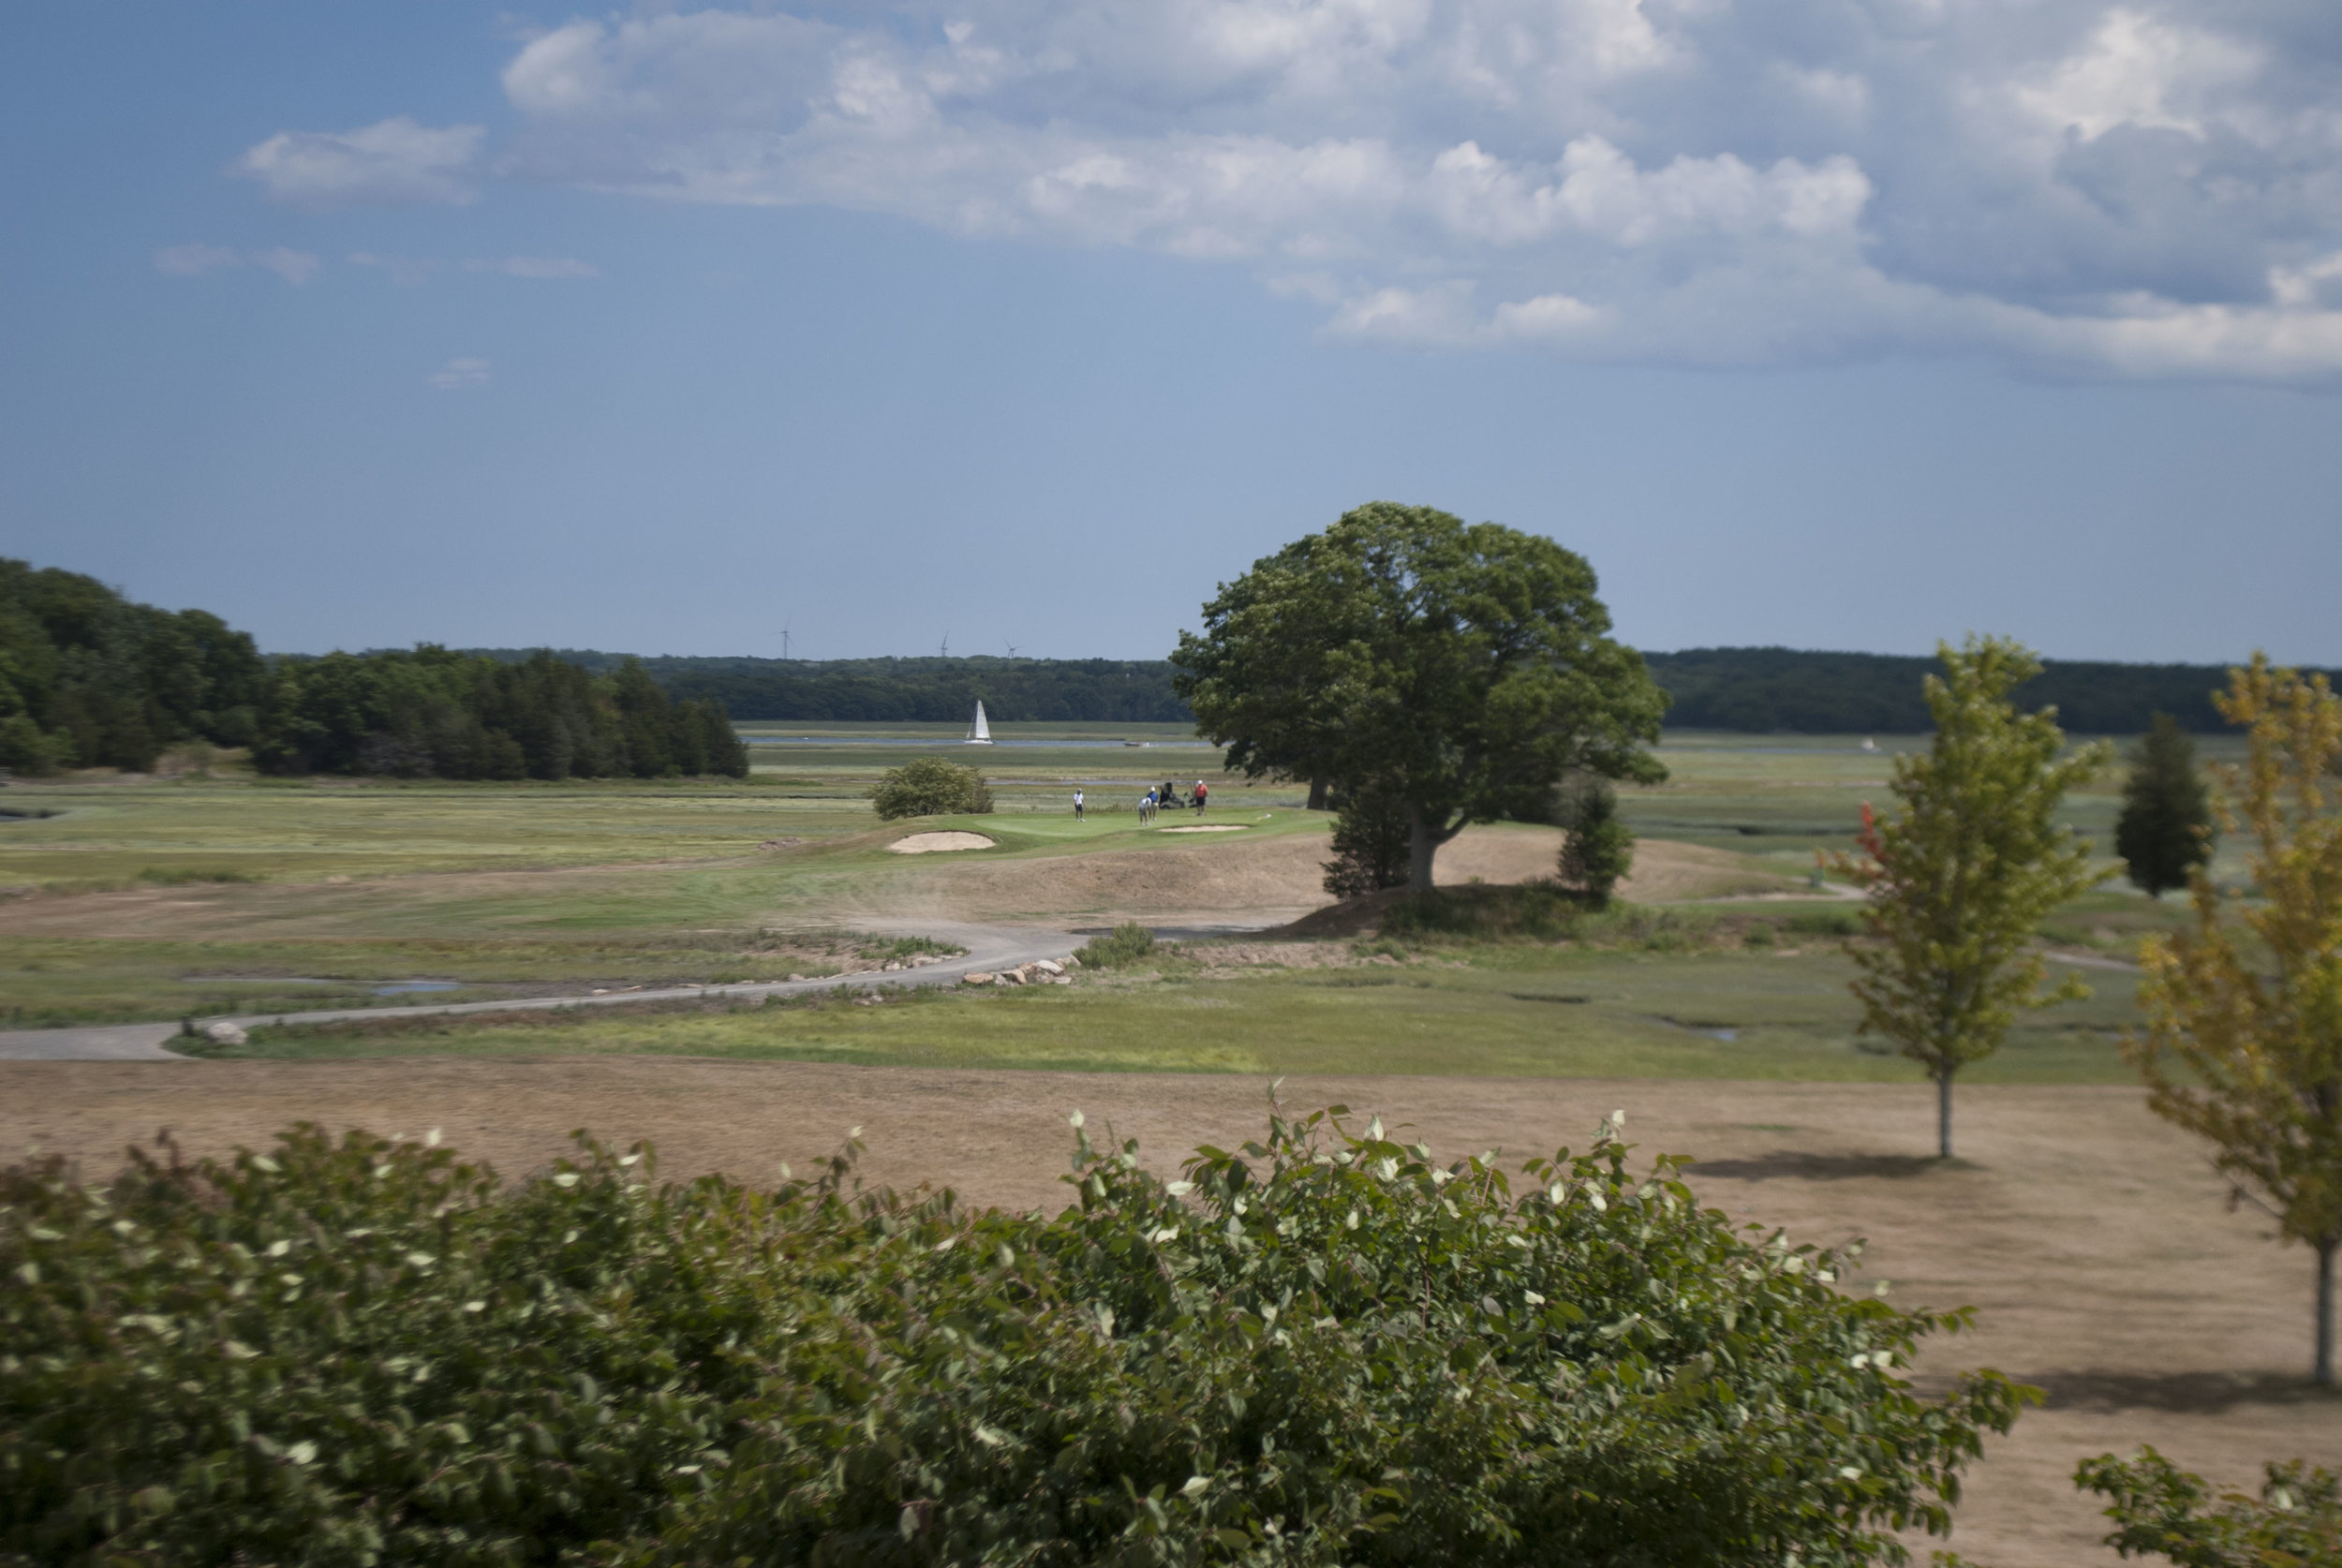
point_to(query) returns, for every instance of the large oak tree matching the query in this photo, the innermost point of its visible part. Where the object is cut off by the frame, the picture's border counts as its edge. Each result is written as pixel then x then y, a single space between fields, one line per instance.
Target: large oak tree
pixel 1463 669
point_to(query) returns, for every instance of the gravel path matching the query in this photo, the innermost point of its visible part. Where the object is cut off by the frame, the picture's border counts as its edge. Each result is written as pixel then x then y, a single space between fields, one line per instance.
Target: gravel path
pixel 988 948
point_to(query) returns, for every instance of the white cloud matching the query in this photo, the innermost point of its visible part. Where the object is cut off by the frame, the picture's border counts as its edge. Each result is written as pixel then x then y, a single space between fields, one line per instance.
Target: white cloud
pixel 407 272
pixel 533 266
pixel 457 373
pixel 192 261
pixel 2095 189
pixel 195 259
pixel 393 160
pixel 295 267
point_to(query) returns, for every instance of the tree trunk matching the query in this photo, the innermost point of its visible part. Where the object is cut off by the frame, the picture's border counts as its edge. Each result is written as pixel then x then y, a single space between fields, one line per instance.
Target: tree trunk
pixel 1319 787
pixel 2322 1371
pixel 1422 844
pixel 1943 1116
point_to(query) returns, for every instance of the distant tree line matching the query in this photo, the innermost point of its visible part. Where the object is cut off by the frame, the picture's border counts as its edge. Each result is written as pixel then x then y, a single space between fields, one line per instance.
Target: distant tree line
pixel 90 679
pixel 1783 690
pixel 912 690
pixel 440 714
pixel 1759 690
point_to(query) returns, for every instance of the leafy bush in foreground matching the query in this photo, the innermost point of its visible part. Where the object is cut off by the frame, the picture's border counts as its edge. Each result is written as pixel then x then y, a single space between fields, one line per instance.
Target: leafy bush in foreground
pixel 2296 1521
pixel 1320 1348
pixel 931 787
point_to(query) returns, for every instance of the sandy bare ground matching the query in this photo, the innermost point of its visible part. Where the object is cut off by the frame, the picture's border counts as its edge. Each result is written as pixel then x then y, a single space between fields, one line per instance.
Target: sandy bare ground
pixel 1260 882
pixel 1214 879
pixel 2092 1237
pixel 939 843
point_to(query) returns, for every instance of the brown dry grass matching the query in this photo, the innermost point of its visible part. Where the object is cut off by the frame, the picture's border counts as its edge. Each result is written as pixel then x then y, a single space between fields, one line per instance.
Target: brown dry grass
pixel 2090 1236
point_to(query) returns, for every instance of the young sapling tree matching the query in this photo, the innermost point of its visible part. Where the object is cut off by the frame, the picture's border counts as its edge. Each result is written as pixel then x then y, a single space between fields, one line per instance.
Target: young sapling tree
pixel 2242 1042
pixel 1960 876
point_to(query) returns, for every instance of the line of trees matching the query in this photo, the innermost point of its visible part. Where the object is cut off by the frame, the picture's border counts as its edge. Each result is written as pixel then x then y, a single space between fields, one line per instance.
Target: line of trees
pixel 2240 1043
pixel 1754 690
pixel 440 713
pixel 1794 691
pixel 90 679
pixel 911 690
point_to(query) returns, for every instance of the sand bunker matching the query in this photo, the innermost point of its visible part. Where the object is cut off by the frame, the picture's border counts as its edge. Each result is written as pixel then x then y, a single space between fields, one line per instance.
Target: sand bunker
pixel 931 843
pixel 1208 827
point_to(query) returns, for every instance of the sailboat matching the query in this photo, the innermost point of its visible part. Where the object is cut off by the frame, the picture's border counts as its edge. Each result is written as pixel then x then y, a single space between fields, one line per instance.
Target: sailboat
pixel 979 734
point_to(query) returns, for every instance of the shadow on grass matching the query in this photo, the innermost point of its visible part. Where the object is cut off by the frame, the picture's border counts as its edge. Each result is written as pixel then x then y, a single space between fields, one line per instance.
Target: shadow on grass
pixel 2188 1393
pixel 1800 1165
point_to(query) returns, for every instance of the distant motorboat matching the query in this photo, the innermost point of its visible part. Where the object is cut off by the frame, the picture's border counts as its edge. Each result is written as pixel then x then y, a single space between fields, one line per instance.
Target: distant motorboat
pixel 979 734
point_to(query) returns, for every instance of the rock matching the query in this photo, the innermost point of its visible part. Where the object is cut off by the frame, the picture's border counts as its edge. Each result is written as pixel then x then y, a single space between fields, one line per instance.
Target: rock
pixel 1073 963
pixel 1012 977
pixel 891 965
pixel 977 977
pixel 921 960
pixel 1058 979
pixel 1048 966
pixel 796 977
pixel 223 1033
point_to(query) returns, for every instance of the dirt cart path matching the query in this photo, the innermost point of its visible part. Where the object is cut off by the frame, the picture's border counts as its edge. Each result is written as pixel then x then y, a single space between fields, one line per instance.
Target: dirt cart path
pixel 2093 1238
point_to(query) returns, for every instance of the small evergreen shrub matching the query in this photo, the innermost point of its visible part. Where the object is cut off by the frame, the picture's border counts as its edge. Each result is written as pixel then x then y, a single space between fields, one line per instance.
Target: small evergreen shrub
pixel 931 787
pixel 1319 1349
pixel 1126 944
pixel 1369 844
pixel 1600 849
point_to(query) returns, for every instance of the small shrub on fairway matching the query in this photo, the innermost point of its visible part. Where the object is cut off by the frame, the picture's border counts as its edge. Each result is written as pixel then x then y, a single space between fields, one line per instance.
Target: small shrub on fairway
pixel 1127 943
pixel 1317 1350
pixel 931 787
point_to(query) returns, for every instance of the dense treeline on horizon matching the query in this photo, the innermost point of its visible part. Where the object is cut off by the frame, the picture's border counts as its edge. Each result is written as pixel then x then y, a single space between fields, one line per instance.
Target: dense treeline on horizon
pixel 90 679
pixel 1753 691
pixel 1786 690
pixel 435 713
pixel 926 690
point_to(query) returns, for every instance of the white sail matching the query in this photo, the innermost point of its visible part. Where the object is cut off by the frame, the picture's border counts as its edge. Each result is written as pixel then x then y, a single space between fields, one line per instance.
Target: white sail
pixel 980 733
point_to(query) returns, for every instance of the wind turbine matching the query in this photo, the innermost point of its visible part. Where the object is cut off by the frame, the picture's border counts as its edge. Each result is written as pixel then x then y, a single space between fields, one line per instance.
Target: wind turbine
pixel 784 635
pixel 945 651
pixel 1010 647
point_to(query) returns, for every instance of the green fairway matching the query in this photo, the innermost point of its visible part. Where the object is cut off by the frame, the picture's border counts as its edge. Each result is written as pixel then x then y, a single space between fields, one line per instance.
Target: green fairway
pixel 510 888
pixel 1510 1011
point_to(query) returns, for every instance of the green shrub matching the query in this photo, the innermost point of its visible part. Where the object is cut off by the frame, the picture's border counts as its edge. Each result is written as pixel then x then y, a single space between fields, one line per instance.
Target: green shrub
pixel 931 787
pixel 1320 1348
pixel 1600 849
pixel 1826 923
pixel 1533 909
pixel 181 875
pixel 1369 843
pixel 1127 943
pixel 2156 1507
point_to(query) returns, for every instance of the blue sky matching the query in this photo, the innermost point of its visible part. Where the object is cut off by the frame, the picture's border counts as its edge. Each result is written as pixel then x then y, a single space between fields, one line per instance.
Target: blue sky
pixel 1830 324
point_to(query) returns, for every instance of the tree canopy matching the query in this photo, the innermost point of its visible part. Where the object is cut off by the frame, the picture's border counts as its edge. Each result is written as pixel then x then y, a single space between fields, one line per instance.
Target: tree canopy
pixel 90 679
pixel 1465 669
pixel 436 713
pixel 1962 874
pixel 2243 1036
